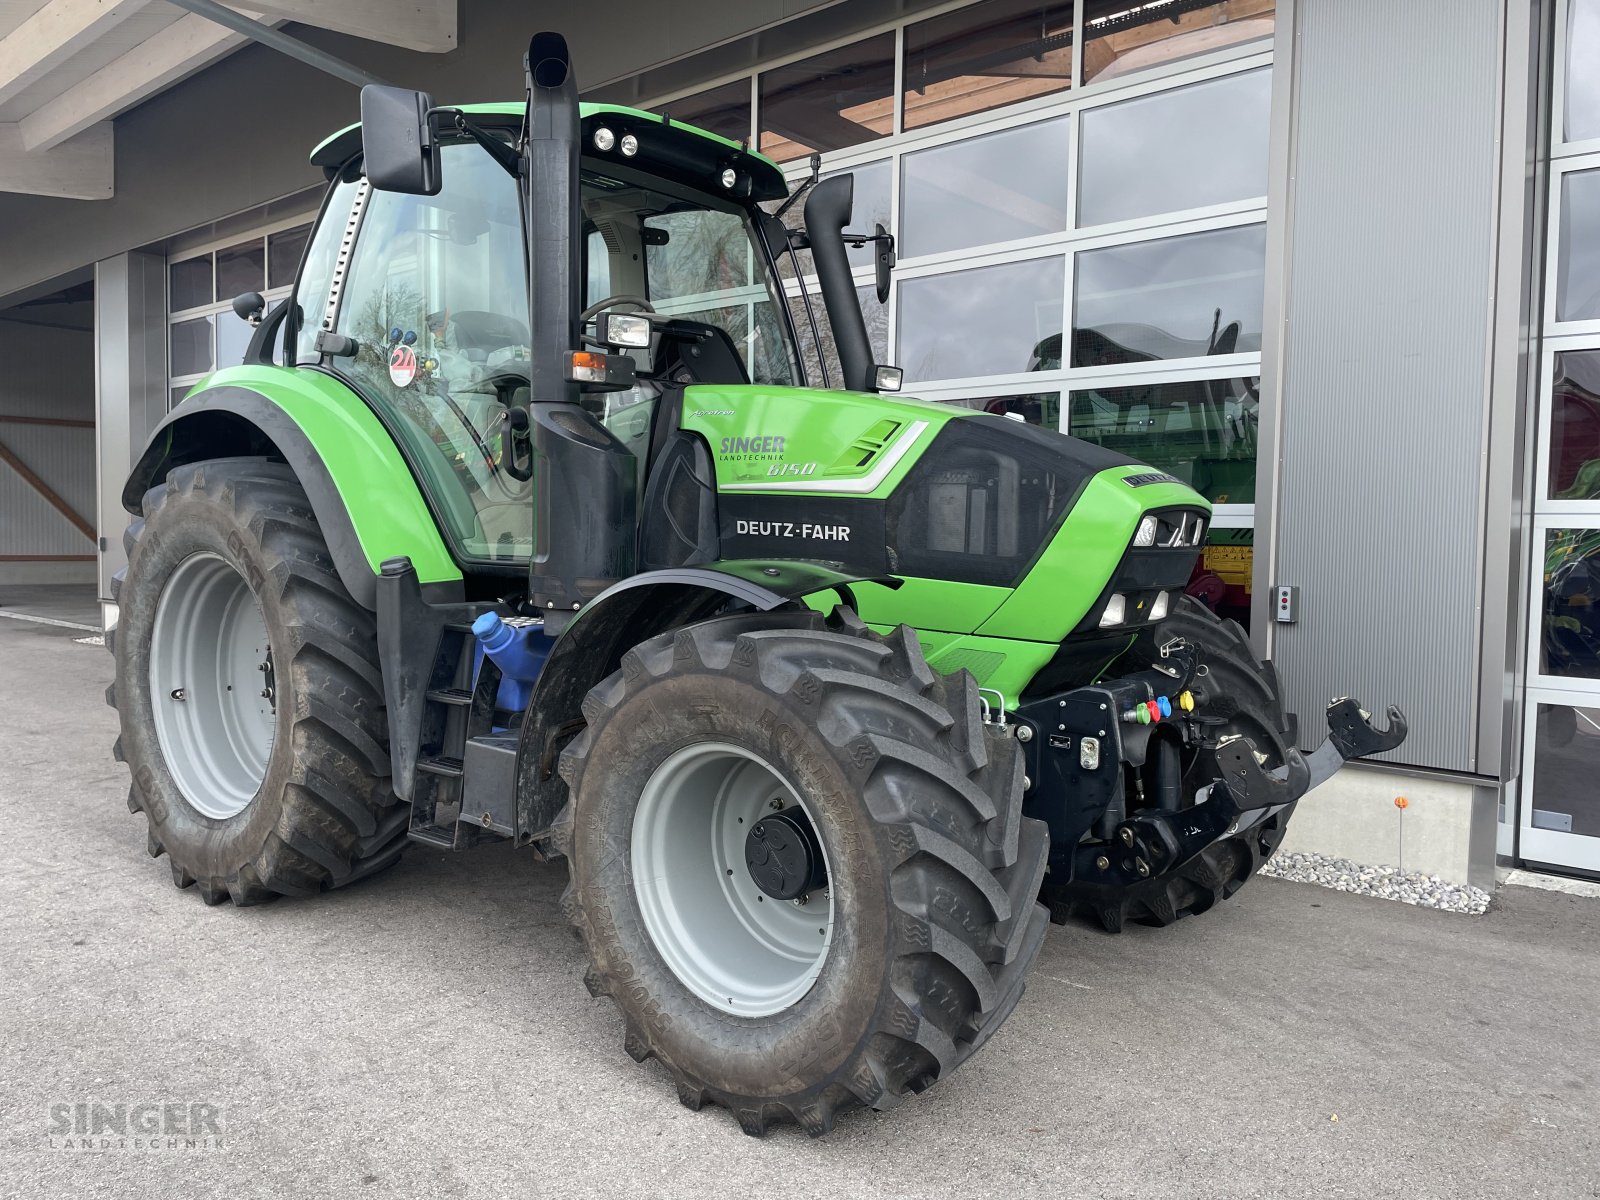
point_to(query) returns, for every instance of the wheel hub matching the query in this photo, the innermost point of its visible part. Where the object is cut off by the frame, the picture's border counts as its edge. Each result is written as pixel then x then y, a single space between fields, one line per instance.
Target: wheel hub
pixel 783 855
pixel 213 688
pixel 743 920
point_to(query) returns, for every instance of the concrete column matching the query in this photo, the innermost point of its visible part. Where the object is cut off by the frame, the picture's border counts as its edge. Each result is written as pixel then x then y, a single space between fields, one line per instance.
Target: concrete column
pixel 130 324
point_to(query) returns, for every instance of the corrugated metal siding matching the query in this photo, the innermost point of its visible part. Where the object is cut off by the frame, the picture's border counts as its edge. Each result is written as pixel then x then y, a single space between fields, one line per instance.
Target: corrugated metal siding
pixel 46 372
pixel 1385 388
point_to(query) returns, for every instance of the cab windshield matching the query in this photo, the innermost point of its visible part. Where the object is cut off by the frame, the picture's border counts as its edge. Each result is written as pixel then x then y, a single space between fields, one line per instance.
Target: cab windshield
pixel 685 255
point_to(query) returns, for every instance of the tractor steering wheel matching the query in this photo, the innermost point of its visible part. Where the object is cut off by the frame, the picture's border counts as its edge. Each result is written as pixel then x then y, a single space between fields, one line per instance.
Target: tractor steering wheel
pixel 594 310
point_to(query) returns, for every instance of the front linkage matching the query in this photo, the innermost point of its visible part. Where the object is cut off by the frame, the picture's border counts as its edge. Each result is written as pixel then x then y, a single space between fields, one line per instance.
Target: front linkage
pixel 1142 784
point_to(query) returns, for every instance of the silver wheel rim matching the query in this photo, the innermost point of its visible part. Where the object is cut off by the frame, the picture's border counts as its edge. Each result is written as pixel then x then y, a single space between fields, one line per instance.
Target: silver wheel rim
pixel 211 685
pixel 735 947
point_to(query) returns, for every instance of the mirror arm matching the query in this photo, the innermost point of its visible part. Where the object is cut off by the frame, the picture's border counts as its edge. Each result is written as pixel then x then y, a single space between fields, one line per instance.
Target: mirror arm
pixel 805 186
pixel 498 150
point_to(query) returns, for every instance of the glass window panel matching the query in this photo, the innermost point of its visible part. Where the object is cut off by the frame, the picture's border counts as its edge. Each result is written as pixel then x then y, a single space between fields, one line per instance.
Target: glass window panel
pixel 1178 297
pixel 1575 426
pixel 311 297
pixel 701 253
pixel 178 393
pixel 983 321
pixel 233 336
pixel 1036 408
pixel 724 110
pixel 813 356
pixel 189 283
pixel 1569 635
pixel 1221 579
pixel 870 203
pixel 829 101
pixel 1122 36
pixel 876 315
pixel 436 300
pixel 1203 432
pixel 241 268
pixel 1582 116
pixel 983 56
pixel 191 347
pixel 283 255
pixel 1566 760
pixel 996 188
pixel 1578 252
pixel 1187 148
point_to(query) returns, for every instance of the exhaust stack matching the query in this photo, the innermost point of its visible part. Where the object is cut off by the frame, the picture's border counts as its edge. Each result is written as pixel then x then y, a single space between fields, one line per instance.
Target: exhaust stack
pixel 827 212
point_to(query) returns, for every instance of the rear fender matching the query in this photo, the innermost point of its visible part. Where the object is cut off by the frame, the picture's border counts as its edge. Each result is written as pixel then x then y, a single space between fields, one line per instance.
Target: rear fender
pixel 365 499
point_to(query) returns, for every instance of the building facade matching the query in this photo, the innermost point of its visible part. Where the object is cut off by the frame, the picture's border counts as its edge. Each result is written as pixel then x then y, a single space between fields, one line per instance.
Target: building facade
pixel 1332 262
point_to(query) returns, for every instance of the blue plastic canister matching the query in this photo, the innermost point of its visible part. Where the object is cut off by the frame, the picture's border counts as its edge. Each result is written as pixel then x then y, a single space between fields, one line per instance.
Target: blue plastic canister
pixel 518 650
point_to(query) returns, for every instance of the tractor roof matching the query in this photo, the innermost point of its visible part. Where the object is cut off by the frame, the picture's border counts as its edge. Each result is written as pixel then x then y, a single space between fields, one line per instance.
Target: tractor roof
pixel 711 149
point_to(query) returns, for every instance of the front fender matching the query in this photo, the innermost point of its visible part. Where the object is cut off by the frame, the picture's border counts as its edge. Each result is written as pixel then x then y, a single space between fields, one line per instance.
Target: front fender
pixel 365 499
pixel 592 644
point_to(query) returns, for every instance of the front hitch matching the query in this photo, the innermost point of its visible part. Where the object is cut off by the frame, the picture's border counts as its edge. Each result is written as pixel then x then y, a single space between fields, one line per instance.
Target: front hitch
pixel 1074 790
pixel 1350 729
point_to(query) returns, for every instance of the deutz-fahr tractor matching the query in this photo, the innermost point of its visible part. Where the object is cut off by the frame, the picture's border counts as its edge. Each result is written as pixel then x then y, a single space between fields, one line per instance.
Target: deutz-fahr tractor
pixel 520 522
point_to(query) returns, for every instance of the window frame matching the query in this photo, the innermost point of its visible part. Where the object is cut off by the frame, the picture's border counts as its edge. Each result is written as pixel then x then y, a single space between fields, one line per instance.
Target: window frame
pixel 224 306
pixel 1519 837
pixel 1071 104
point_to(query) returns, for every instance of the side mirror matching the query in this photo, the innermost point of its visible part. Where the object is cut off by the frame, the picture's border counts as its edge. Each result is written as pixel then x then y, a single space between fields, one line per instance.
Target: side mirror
pixel 882 260
pixel 249 306
pixel 399 150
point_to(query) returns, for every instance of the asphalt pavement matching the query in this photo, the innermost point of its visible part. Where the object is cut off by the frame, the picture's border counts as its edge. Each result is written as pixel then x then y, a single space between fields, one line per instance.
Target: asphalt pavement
pixel 427 1033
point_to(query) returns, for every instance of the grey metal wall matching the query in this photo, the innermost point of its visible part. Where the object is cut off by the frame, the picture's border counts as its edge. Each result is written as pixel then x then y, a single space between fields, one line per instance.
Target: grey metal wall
pixel 48 372
pixel 1390 245
pixel 130 367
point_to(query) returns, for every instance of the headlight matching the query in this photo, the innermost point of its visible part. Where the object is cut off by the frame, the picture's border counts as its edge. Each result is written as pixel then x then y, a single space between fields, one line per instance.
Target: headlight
pixel 623 329
pixel 1199 533
pixel 604 139
pixel 1158 606
pixel 1116 610
pixel 1146 534
pixel 629 145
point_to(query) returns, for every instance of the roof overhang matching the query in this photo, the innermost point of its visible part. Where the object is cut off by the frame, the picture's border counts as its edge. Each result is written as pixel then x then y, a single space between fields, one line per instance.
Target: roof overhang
pixel 68 67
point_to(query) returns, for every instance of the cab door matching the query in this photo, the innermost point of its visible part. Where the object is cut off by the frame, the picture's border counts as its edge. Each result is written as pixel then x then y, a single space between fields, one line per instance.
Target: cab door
pixel 435 297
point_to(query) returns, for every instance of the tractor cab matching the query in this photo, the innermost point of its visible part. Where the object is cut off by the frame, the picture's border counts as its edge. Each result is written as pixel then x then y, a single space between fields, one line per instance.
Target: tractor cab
pixel 675 278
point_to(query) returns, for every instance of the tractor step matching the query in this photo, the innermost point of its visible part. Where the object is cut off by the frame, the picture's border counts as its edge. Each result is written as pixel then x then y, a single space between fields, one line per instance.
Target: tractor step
pixel 453 696
pixel 430 835
pixel 450 768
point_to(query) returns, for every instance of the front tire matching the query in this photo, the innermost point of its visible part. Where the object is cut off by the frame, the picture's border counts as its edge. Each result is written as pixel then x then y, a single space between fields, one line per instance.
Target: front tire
pixel 928 924
pixel 249 691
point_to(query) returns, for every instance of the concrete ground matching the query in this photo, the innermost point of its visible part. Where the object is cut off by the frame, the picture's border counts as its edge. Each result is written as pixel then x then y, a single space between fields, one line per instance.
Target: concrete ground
pixel 427 1033
pixel 77 604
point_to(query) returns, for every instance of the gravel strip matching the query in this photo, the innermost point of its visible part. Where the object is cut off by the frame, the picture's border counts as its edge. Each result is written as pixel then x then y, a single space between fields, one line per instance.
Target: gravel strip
pixel 1387 883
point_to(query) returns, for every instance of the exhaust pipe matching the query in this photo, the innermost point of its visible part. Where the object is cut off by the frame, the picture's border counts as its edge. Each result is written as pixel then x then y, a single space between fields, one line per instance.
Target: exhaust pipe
pixel 552 216
pixel 827 212
pixel 592 546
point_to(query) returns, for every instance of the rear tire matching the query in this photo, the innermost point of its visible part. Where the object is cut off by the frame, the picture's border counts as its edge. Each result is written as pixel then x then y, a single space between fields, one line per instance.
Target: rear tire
pixel 257 779
pixel 932 871
pixel 1237 694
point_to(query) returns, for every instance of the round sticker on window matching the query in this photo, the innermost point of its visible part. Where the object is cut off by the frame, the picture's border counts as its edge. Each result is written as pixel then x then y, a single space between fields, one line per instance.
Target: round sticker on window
pixel 402 366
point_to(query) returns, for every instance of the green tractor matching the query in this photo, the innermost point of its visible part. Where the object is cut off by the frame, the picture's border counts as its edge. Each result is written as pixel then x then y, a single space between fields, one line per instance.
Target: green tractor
pixel 519 522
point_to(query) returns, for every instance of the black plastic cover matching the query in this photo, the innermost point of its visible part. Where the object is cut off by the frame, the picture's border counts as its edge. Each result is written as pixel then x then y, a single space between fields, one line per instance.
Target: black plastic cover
pixel 398 148
pixel 986 497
